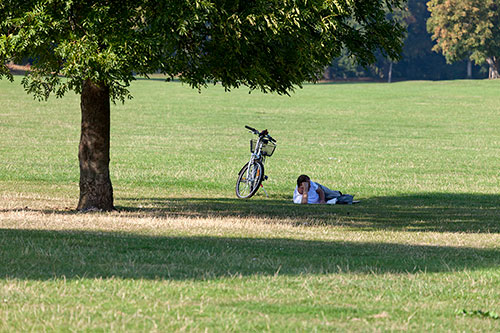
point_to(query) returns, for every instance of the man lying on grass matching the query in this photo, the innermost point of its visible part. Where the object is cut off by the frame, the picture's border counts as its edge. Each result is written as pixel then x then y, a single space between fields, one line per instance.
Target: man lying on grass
pixel 309 192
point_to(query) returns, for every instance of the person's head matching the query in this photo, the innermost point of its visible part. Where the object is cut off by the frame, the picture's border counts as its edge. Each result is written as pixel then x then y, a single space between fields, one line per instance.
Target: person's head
pixel 302 179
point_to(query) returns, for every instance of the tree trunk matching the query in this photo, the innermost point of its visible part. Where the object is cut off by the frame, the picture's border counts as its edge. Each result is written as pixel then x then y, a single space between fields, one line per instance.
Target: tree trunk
pixel 389 75
pixel 494 64
pixel 469 69
pixel 96 191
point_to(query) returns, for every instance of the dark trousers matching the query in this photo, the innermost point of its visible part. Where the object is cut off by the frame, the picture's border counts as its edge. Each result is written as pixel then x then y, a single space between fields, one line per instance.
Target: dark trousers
pixel 329 194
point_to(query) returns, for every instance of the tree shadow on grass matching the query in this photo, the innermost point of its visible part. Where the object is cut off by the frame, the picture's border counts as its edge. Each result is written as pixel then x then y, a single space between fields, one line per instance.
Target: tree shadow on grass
pixel 440 212
pixel 36 254
pixel 437 212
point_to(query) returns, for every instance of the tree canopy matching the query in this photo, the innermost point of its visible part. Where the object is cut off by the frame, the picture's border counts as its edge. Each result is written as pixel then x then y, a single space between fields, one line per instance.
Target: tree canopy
pixel 98 46
pixel 270 45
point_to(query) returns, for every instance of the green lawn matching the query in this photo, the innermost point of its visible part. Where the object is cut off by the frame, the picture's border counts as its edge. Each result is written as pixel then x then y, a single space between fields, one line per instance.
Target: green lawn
pixel 182 253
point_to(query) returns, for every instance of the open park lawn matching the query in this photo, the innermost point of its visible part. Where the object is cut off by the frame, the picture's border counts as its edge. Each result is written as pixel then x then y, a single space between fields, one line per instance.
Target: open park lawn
pixel 421 252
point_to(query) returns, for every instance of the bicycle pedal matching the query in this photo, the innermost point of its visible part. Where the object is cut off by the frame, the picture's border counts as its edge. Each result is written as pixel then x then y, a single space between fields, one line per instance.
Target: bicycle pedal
pixel 265 177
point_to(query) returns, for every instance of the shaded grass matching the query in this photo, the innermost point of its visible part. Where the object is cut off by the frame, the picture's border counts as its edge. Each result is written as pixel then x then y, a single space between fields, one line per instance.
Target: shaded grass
pixel 42 255
pixel 445 212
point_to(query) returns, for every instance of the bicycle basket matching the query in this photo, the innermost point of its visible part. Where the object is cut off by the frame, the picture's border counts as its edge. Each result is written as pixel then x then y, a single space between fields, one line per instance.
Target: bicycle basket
pixel 267 148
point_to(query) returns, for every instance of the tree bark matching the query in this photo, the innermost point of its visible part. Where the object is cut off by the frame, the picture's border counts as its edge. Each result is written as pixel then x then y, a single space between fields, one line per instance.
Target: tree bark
pixel 494 63
pixel 389 75
pixel 96 191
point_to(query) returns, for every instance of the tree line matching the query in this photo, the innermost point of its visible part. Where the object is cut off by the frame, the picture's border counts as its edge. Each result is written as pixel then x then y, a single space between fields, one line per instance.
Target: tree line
pixel 445 39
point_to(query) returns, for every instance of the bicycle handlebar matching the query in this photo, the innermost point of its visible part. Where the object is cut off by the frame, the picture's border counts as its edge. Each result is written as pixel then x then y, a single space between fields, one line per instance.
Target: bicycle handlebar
pixel 252 130
pixel 263 133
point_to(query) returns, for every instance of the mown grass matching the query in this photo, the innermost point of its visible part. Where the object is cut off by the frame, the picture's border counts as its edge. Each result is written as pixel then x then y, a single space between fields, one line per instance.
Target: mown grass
pixel 182 253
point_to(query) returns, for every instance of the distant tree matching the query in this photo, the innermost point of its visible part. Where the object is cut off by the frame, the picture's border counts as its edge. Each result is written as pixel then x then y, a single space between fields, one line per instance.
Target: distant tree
pixel 348 66
pixel 467 29
pixel 418 61
pixel 98 45
pixel 345 66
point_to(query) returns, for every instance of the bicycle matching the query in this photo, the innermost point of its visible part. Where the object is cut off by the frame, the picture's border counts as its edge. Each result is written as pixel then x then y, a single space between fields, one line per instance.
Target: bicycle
pixel 252 175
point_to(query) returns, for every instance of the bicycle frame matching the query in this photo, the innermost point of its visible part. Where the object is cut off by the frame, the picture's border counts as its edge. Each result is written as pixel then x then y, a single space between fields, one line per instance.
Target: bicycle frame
pixel 257 154
pixel 253 172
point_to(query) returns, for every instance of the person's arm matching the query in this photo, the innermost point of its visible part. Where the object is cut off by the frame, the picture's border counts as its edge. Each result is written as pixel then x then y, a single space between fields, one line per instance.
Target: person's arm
pixel 305 194
pixel 321 195
pixel 297 197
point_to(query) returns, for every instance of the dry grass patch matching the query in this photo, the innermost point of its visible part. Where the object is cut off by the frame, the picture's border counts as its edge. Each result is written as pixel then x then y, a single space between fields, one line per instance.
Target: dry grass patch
pixel 35 212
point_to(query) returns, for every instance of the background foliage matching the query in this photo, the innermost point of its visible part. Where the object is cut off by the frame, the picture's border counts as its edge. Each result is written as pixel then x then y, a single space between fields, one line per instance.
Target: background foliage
pixel 467 30
pixel 420 59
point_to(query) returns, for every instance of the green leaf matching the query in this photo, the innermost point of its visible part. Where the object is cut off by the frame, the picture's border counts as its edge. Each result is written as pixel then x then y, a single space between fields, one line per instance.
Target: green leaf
pixel 481 313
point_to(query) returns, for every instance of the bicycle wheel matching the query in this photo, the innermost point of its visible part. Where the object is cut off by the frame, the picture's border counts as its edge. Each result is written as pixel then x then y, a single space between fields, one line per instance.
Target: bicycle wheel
pixel 248 182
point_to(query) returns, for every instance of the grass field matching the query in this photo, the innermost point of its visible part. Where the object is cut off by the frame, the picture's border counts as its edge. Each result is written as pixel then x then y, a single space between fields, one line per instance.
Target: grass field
pixel 182 253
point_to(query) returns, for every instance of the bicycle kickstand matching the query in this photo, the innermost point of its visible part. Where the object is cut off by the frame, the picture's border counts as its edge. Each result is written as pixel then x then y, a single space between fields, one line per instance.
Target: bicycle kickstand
pixel 263 189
